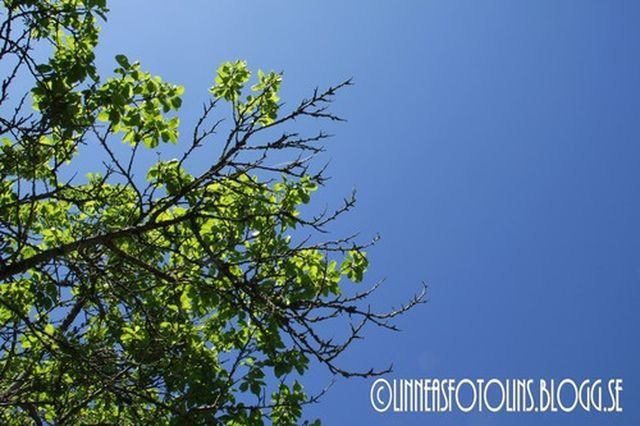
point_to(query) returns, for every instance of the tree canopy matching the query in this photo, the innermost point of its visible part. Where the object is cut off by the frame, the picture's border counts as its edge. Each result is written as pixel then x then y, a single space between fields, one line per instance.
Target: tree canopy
pixel 169 295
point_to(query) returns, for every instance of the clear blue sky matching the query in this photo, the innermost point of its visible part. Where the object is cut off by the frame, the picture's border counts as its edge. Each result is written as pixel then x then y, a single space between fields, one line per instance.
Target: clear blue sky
pixel 495 147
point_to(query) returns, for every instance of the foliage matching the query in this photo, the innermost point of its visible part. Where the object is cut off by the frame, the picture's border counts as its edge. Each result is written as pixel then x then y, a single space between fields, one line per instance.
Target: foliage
pixel 182 298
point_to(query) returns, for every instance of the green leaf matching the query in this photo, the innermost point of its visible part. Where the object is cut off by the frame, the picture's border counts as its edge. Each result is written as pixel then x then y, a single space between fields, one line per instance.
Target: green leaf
pixel 123 61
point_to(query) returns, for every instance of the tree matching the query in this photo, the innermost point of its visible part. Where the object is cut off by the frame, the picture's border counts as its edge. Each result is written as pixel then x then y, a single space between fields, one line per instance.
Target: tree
pixel 173 298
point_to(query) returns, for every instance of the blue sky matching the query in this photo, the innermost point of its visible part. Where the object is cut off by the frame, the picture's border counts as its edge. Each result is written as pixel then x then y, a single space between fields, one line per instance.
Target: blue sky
pixel 494 146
